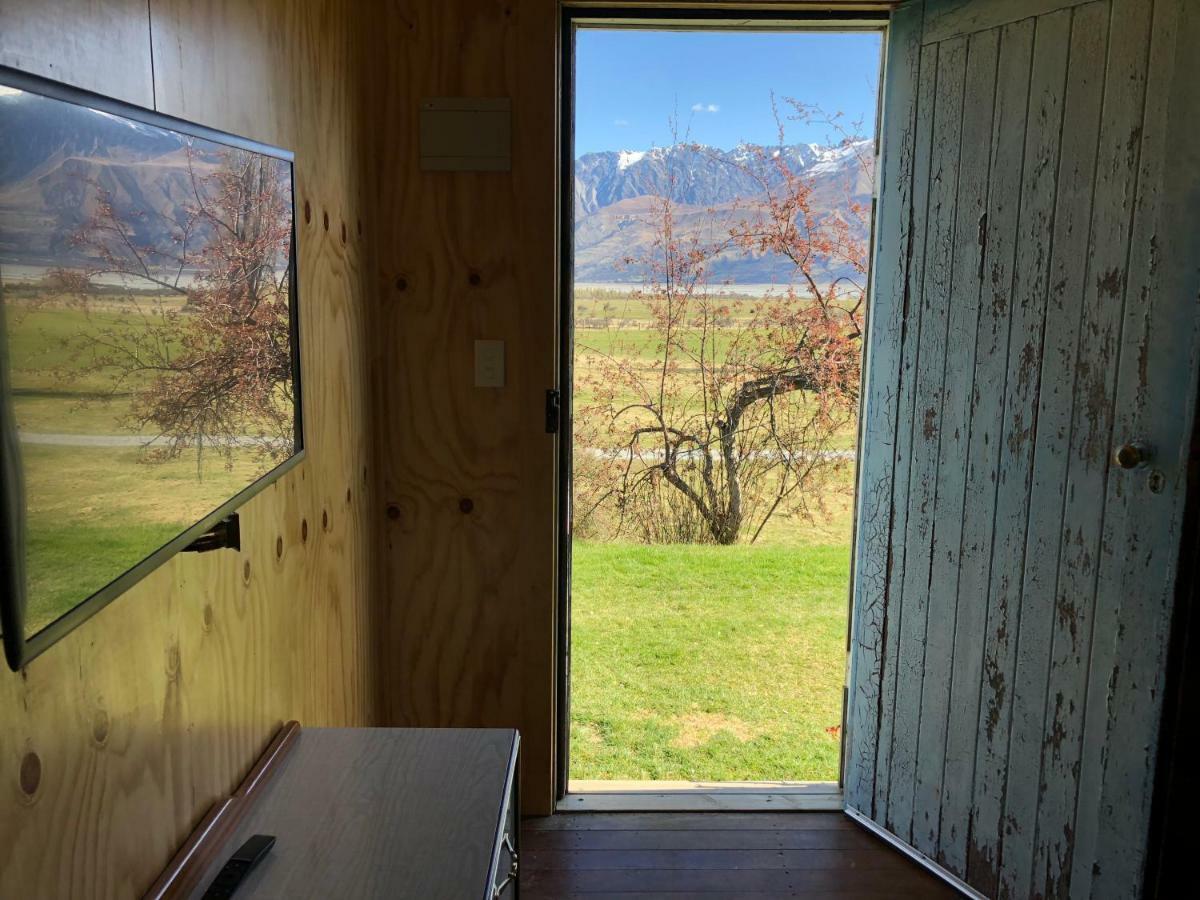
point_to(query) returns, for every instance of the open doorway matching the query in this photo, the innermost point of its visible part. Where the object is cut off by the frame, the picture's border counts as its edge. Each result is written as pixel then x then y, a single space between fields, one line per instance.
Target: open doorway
pixel 717 226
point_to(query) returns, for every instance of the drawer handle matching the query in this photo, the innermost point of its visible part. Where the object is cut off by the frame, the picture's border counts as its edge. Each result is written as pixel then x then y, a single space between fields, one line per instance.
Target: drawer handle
pixel 513 868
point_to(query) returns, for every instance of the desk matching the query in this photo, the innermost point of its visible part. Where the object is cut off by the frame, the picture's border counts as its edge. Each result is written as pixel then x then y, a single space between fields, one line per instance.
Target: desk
pixel 422 813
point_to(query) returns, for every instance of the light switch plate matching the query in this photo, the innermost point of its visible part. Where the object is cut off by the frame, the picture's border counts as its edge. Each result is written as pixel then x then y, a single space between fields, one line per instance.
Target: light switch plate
pixel 489 364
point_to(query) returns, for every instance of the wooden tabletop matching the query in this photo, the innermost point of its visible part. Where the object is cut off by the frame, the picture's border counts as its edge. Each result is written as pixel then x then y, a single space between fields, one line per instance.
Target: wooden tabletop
pixel 378 812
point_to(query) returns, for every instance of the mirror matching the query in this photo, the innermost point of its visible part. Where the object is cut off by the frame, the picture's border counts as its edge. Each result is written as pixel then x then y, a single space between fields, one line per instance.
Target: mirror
pixel 149 356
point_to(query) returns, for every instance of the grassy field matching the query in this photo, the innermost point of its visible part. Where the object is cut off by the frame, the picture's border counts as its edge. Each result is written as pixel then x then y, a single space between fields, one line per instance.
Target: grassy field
pixel 707 663
pixel 712 663
pixel 615 326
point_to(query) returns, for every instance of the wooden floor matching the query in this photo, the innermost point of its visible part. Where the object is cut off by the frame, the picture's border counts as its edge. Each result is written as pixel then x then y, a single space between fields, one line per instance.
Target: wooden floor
pixel 714 855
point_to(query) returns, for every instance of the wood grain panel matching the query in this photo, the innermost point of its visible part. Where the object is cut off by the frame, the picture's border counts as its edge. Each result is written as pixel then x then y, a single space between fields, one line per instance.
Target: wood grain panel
pixel 995 240
pixel 101 46
pixel 934 309
pixel 960 17
pixel 1077 599
pixel 467 507
pixel 118 738
pixel 914 249
pixel 1127 669
pixel 823 884
pixel 690 821
pixel 879 439
pixel 1053 239
pixel 997 272
pixel 954 427
pixel 702 839
pixel 1035 762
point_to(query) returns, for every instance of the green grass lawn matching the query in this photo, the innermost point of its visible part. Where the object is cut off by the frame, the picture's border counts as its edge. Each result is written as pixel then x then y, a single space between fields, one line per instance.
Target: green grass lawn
pixel 708 663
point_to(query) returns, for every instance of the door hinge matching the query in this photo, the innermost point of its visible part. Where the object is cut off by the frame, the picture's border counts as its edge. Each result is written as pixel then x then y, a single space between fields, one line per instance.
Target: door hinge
pixel 553 410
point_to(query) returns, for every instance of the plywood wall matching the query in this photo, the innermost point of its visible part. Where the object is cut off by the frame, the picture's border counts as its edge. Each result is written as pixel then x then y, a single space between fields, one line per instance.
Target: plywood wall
pixel 466 474
pixel 114 741
pixel 1035 307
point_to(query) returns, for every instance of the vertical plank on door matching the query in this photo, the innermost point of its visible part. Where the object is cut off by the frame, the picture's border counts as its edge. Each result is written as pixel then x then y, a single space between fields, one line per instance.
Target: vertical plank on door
pixel 1091 428
pixel 1003 216
pixel 914 249
pixel 881 394
pixel 1066 173
pixel 926 428
pixel 977 521
pixel 970 204
pixel 1134 601
pixel 1025 303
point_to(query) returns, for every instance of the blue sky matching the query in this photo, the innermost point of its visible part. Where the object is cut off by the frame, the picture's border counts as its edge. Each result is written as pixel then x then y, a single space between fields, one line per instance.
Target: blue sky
pixel 628 83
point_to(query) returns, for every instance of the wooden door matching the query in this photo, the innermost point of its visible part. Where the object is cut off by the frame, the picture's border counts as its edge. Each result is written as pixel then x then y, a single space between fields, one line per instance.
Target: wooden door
pixel 1034 308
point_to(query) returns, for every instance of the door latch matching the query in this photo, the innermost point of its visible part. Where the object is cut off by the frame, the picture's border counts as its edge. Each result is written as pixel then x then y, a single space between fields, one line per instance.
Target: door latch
pixel 553 410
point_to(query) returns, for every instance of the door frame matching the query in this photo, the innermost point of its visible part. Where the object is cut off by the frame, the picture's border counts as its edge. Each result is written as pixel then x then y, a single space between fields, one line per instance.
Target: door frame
pixel 645 17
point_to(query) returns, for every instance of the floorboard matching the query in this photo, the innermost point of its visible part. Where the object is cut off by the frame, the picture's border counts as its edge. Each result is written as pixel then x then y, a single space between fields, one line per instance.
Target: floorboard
pixel 719 856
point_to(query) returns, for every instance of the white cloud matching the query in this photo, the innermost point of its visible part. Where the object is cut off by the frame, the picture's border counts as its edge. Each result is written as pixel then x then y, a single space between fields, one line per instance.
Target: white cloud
pixel 705 107
pixel 621 123
pixel 6 91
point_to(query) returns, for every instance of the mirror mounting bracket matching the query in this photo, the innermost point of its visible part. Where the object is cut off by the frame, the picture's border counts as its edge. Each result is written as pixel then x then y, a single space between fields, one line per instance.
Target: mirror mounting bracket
pixel 226 534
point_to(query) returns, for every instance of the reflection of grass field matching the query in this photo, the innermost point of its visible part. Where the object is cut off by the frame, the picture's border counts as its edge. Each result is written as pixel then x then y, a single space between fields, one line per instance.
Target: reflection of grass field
pixel 68 562
pixel 93 512
pixel 53 391
pixel 79 538
pixel 62 412
pixel 40 336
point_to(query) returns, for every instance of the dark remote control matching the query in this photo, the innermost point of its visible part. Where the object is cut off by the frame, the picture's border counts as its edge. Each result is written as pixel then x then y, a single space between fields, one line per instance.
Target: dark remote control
pixel 239 866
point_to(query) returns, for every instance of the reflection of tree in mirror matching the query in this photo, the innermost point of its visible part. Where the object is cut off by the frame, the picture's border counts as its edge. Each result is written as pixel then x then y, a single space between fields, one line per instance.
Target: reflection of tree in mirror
pixel 211 369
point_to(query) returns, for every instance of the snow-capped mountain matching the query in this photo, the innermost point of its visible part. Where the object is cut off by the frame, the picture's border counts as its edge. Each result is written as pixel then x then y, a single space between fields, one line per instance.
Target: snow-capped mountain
pixel 709 186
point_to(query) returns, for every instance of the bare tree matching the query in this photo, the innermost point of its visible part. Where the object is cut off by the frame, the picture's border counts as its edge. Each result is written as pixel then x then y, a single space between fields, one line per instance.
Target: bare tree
pixel 736 412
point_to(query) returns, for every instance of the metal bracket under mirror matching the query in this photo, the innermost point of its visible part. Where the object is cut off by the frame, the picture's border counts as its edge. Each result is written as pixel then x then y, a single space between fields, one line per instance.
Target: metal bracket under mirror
pixel 226 534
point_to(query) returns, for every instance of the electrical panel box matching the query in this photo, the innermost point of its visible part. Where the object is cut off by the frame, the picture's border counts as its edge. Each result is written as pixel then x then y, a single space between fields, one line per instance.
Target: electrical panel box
pixel 466 134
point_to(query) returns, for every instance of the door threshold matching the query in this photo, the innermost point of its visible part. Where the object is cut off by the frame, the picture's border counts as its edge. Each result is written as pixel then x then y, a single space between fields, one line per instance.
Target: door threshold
pixel 701 796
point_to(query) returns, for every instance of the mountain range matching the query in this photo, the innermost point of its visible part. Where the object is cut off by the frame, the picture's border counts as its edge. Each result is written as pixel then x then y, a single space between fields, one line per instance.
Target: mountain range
pixel 53 156
pixel 711 190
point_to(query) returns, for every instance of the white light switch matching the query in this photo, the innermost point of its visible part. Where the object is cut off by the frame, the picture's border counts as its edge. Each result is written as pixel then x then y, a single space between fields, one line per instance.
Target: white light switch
pixel 489 364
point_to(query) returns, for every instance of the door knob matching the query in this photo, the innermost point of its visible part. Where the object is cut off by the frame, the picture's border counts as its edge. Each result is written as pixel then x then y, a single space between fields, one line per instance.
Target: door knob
pixel 1132 455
